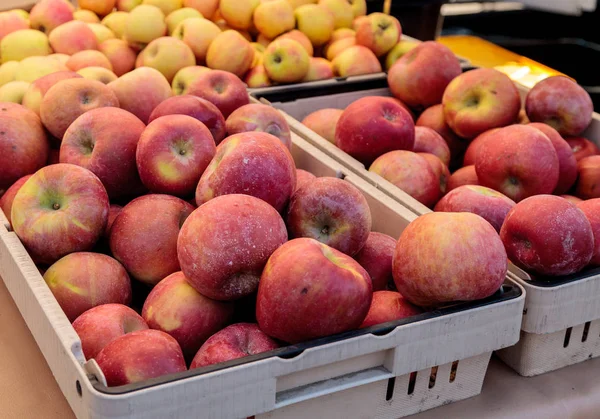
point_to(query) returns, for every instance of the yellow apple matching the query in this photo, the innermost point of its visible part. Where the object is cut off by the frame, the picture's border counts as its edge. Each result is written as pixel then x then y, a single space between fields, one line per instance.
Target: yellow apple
pixel 257 77
pixel 167 6
pixel 101 74
pixel 127 5
pixel 338 46
pixel 13 91
pixel 359 7
pixel 272 18
pixel 198 34
pixel 102 32
pixel 297 3
pixel 185 77
pixel 230 51
pixel 318 69
pixel 176 17
pixel 398 51
pixel 238 14
pixel 116 23
pixel 316 22
pixel 167 55
pixel 379 32
pixel 32 68
pixel 86 16
pixel 144 24
pixel 286 61
pixel 61 58
pixel 8 71
pixel 23 13
pixel 22 44
pixel 342 12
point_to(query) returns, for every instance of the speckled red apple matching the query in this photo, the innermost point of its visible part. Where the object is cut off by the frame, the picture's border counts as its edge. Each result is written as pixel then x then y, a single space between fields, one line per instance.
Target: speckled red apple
pixel 223 89
pixel 429 141
pixel 463 176
pixel 588 185
pixel 260 118
pixel 582 147
pixel 388 306
pixel 376 257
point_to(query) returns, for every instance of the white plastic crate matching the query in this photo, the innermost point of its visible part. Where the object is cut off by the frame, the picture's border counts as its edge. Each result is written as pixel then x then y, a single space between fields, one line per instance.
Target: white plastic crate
pixel 324 379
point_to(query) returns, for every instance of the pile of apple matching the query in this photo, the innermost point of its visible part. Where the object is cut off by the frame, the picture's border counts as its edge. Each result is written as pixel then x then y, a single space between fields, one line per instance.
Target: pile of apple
pixel 263 43
pixel 190 210
pixel 528 171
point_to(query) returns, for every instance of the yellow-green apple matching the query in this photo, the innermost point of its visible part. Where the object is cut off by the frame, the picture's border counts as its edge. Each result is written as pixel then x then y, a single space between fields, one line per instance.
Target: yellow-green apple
pixel 139 356
pixel 398 51
pixel 24 43
pixel 336 47
pixel 302 177
pixel 316 22
pixel 258 47
pixel 590 209
pixel 341 33
pixel 257 77
pixel 144 24
pixel 548 235
pixel 323 122
pixel 307 292
pixel 297 3
pixel 101 74
pixel 239 166
pixel 286 61
pixel 318 69
pixel 23 143
pixel 331 211
pixel 61 209
pixel 12 22
pixel 172 154
pixel 116 23
pixel 420 77
pixel 230 51
pixel 68 99
pixel 8 71
pixel 532 170
pixel 223 89
pixel 198 34
pixel 589 171
pixel 72 37
pixel 372 126
pixel 61 58
pixel 99 7
pixel 100 325
pixel 127 5
pixel 441 171
pixel 13 91
pixel 582 147
pixel 238 234
pixel 300 37
pixel 479 100
pixel 388 306
pixel 21 12
pixel 48 14
pixel 471 152
pixel 343 15
pixel 238 14
pixel 143 237
pixel 359 7
pixel 260 118
pixel 121 57
pixel 485 202
pixel 97 141
pixel 167 55
pixel 32 68
pixel 141 90
pixel 82 280
pixel 429 141
pixel 561 103
pixel 376 257
pixel 463 176
pixel 8 197
pixel 567 164
pixel 102 32
pixel 410 172
pixel 233 342
pixel 176 308
pixel 379 32
pixel 86 16
pixel 88 58
pixel 442 279
pixel 185 76
pixel 274 17
pixel 355 61
pixel 177 16
pixel 37 90
pixel 198 108
pixel 166 6
pixel 206 7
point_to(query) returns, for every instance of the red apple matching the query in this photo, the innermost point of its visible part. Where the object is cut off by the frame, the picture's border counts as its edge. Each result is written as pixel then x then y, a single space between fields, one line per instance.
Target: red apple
pixel 237 233
pixel 8 197
pixel 176 308
pixel 588 186
pixel 376 258
pixel 410 172
pixel 100 325
pixel 196 107
pixel 223 89
pixel 473 147
pixel 561 103
pixel 61 209
pixel 591 210
pixel 261 118
pixel 113 211
pixel 429 141
pixel 582 147
pixel 144 235
pixel 302 177
pixel 572 199
pixel 309 290
pixel 172 154
pixel 461 258
pixel 373 126
pixel 463 176
pixel 519 161
pixel 104 141
pixel 331 211
pixel 388 306
pixel 139 356
pixel 548 235
pixel 323 122
pixel 440 170
pixel 233 342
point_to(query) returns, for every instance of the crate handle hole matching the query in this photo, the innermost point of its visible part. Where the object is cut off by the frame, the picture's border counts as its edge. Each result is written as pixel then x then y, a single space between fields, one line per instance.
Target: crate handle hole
pixel 411 383
pixel 433 376
pixel 78 388
pixel 567 337
pixel 586 331
pixel 390 389
pixel 453 372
